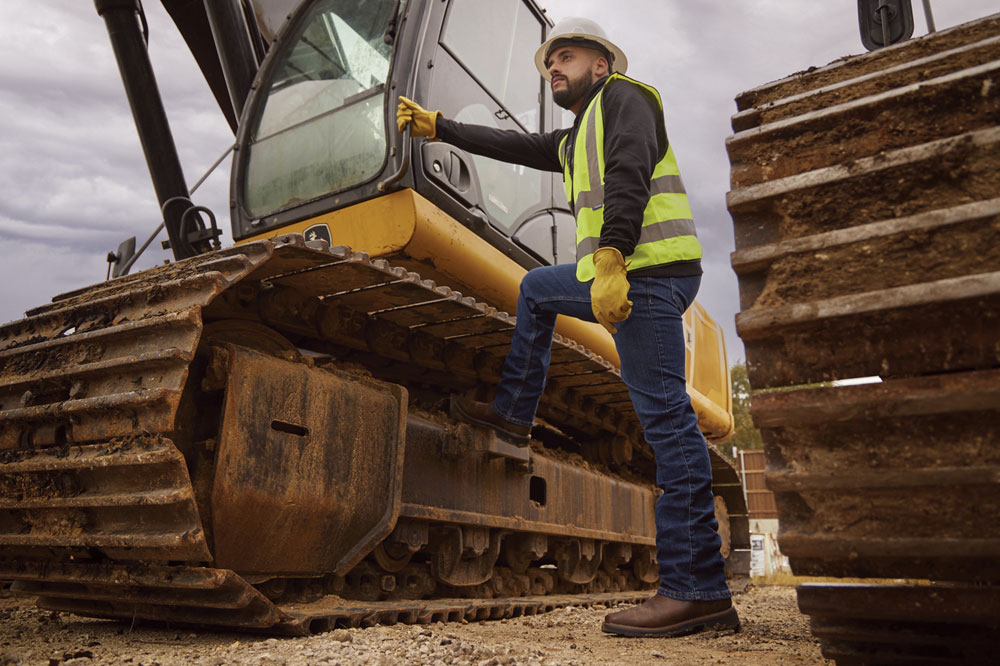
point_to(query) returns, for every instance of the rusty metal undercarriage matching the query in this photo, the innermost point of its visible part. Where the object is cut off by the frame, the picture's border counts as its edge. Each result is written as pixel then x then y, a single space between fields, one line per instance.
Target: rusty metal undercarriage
pixel 249 437
pixel 866 207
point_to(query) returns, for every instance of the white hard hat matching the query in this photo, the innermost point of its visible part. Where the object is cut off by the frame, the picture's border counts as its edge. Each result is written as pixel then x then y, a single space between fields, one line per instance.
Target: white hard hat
pixel 575 29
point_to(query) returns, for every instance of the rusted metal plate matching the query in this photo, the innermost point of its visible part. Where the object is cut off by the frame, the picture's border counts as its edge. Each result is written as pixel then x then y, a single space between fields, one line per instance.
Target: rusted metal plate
pixel 328 279
pixel 603 377
pixel 295 256
pixel 438 306
pixel 587 364
pixel 904 399
pixel 469 326
pixel 614 398
pixel 325 615
pixel 303 446
pixel 128 498
pixel 228 265
pixel 564 354
pixel 598 390
pixel 583 366
pixel 500 338
pixel 112 310
pixel 961 558
pixel 904 624
pixel 404 292
pixel 901 331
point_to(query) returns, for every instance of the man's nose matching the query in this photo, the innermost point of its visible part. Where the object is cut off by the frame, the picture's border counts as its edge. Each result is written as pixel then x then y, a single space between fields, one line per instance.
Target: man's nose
pixel 553 69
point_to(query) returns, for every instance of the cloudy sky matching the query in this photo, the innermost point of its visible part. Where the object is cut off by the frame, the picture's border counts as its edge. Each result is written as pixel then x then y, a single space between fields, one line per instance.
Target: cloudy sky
pixel 73 180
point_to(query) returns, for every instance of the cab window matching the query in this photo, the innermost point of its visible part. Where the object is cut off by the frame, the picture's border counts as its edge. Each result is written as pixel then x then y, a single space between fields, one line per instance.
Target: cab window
pixel 486 76
pixel 500 57
pixel 322 128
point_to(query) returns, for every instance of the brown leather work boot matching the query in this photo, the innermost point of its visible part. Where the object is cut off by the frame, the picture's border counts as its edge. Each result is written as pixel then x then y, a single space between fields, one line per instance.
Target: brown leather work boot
pixel 663 616
pixel 478 413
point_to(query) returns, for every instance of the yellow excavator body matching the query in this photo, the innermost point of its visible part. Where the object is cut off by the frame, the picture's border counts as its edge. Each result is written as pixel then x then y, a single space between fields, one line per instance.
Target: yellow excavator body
pixel 410 230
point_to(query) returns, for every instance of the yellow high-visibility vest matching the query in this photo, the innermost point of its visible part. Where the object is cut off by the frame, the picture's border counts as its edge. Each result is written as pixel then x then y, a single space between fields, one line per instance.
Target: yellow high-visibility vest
pixel 668 232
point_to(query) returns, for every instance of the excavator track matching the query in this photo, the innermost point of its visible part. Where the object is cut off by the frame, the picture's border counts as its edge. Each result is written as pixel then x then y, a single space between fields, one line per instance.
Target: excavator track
pixel 866 208
pixel 199 597
pixel 384 316
pixel 159 434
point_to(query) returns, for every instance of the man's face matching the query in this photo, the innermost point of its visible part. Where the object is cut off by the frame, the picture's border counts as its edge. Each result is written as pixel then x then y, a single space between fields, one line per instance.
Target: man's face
pixel 573 70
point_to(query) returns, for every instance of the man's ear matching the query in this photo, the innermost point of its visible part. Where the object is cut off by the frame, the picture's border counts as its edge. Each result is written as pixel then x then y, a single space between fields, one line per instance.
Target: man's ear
pixel 601 67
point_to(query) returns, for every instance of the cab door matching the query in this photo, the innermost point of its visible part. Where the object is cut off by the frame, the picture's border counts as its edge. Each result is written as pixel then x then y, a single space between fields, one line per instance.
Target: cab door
pixel 481 71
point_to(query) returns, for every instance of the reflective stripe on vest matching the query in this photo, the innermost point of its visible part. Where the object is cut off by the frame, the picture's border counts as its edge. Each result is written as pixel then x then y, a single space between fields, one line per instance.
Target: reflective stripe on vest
pixel 668 233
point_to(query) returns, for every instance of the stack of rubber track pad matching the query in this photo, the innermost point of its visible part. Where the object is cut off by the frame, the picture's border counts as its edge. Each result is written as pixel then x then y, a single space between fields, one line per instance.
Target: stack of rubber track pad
pixel 866 207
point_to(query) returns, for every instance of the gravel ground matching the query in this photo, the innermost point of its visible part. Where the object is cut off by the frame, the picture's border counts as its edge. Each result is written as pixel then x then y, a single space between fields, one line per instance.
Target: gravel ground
pixel 773 632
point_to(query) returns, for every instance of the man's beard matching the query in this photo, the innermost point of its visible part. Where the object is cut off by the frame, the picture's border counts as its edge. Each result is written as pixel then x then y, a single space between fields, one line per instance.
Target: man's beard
pixel 572 92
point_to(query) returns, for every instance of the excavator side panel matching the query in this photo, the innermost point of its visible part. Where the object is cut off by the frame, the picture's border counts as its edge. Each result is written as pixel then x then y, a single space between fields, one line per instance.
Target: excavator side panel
pixel 314 456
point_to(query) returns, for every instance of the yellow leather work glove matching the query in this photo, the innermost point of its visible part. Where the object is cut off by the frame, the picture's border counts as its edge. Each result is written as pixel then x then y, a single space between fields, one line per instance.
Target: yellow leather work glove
pixel 422 122
pixel 609 291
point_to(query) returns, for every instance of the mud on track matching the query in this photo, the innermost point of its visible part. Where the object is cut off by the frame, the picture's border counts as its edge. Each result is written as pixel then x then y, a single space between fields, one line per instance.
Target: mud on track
pixel 773 632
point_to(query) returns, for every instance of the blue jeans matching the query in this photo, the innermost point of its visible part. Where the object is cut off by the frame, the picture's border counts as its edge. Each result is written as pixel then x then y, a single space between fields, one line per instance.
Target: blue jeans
pixel 651 346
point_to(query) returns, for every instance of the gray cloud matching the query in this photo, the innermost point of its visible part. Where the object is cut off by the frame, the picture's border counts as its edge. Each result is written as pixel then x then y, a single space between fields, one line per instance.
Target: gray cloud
pixel 74 181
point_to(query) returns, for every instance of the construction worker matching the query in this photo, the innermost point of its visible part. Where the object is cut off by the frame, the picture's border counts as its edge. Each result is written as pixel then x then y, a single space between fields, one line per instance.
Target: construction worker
pixel 638 269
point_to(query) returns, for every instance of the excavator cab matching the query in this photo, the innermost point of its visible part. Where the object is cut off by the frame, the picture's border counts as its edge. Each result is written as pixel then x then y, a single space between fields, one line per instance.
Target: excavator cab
pixel 319 133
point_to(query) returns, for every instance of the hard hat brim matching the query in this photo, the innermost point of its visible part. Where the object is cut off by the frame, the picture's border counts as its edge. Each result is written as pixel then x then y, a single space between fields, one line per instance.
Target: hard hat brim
pixel 619 65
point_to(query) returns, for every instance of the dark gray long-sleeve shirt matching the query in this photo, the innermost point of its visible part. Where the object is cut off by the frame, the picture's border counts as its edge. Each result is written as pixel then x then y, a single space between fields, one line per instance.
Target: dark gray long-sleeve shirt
pixel 635 139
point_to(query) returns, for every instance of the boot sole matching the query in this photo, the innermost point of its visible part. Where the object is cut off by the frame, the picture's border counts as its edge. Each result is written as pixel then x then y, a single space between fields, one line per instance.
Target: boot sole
pixel 462 415
pixel 727 619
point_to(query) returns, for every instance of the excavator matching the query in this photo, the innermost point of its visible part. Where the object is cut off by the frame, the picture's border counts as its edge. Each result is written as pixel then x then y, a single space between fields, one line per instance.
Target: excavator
pixel 259 436
pixel 866 209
